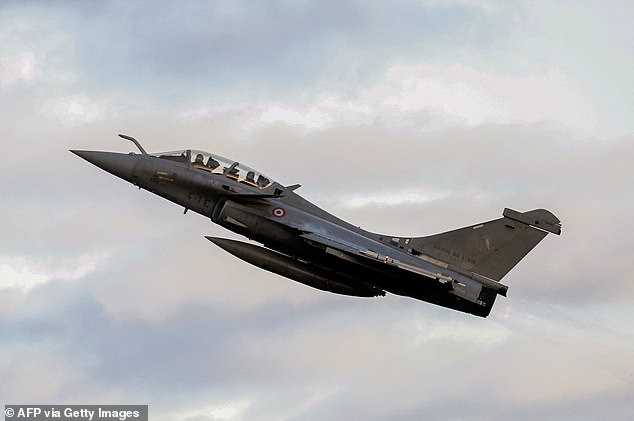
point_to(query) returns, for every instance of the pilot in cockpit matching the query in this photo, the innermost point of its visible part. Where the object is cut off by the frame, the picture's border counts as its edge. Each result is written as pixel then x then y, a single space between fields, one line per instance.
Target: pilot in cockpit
pixel 212 163
pixel 232 171
pixel 198 162
pixel 263 181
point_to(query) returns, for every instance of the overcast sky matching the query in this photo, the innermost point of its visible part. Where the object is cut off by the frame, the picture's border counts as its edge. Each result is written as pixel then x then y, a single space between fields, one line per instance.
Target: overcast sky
pixel 406 117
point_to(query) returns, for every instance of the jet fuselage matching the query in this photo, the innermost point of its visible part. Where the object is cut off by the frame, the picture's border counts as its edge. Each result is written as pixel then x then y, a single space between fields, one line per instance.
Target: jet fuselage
pixel 307 244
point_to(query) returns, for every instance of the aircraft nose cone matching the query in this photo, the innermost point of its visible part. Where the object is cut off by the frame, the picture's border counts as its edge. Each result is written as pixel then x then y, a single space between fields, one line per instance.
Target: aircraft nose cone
pixel 119 164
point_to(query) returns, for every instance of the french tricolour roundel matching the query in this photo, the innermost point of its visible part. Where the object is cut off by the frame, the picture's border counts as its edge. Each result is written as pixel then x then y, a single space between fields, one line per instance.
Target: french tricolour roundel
pixel 279 212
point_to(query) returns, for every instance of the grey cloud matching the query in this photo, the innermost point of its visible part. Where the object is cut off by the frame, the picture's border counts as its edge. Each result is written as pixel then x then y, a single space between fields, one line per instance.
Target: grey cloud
pixel 168 319
pixel 315 360
pixel 222 46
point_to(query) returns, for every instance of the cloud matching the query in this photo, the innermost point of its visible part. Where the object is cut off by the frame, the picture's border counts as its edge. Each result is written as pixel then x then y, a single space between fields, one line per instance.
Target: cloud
pixel 426 97
pixel 16 273
pixel 19 277
pixel 19 67
pixel 388 198
pixel 229 411
pixel 224 48
pixel 34 52
pixel 406 119
pixel 74 110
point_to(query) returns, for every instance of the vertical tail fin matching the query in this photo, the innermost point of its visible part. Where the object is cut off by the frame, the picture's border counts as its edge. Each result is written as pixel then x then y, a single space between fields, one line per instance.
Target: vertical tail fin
pixel 490 249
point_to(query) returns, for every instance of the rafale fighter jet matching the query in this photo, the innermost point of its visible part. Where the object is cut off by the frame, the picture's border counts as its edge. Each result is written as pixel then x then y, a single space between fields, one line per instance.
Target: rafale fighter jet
pixel 459 269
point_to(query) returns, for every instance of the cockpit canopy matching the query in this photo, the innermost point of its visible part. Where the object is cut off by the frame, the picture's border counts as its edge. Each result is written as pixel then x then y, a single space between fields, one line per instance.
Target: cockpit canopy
pixel 216 164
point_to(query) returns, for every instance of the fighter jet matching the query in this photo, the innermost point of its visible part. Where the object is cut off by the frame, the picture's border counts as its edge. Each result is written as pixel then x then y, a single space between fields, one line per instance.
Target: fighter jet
pixel 459 269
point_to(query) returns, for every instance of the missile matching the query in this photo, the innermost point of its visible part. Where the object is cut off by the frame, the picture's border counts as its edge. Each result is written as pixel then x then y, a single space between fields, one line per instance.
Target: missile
pixel 290 268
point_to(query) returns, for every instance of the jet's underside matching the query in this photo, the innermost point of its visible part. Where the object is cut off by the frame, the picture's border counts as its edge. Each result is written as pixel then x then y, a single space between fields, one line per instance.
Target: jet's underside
pixel 346 274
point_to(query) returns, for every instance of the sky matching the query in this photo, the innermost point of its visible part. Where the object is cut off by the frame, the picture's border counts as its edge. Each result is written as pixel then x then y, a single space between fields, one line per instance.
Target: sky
pixel 407 118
